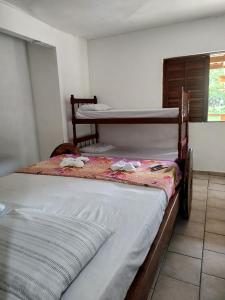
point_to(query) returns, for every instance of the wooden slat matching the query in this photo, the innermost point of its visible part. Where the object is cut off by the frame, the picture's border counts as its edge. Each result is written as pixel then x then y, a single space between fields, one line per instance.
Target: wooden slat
pixel 191 73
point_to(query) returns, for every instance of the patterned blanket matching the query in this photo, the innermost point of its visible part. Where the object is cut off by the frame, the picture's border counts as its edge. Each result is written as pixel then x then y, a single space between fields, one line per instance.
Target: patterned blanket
pixel 99 168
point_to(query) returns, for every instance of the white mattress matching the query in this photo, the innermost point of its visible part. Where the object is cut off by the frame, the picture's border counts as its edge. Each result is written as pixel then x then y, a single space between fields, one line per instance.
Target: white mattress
pixel 133 212
pixel 134 153
pixel 129 113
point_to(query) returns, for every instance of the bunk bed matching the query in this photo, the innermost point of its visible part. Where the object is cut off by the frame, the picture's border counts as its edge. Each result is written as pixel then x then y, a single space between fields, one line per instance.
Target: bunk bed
pixel 180 202
pixel 179 116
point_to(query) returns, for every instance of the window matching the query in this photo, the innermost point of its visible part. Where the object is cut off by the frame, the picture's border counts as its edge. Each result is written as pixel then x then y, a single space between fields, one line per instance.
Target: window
pixel 216 99
pixel 192 73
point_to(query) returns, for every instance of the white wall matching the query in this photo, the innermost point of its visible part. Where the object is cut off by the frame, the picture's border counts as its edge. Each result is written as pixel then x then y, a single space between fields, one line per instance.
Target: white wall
pixel 18 140
pixel 46 97
pixel 71 53
pixel 126 71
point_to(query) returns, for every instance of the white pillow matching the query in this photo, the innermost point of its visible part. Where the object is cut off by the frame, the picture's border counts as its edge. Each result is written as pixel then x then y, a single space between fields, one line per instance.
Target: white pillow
pixel 97 148
pixel 94 107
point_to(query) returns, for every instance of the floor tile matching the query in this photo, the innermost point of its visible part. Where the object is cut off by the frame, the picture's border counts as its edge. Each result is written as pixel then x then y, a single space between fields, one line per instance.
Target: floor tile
pixel 200 182
pixel 213 263
pixel 171 289
pixel 212 288
pixel 200 188
pixel 186 245
pixel 214 242
pixel 215 226
pixel 198 204
pixel 216 199
pixel 179 276
pixel 217 179
pixel 216 187
pixel 216 213
pixel 182 267
pixel 199 195
pixel 189 228
pixel 197 216
pixel 216 203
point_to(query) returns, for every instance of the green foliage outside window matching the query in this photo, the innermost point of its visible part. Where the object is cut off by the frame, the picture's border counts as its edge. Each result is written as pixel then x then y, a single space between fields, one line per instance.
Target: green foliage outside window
pixel 216 94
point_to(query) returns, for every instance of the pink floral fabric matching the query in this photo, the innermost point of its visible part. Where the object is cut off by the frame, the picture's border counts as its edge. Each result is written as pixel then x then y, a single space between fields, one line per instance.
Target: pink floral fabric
pixel 99 168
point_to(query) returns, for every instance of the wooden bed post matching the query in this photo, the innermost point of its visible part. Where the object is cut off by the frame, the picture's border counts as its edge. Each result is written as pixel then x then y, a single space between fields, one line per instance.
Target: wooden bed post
pixel 96 125
pixel 72 100
pixel 180 122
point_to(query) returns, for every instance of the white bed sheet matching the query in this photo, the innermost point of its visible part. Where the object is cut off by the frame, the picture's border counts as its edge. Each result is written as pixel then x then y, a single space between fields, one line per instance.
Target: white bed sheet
pixel 133 212
pixel 129 113
pixel 134 153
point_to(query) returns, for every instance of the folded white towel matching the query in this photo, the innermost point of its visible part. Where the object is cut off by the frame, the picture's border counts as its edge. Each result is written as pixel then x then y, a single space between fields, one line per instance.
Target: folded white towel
pixel 94 107
pixel 83 158
pixel 136 164
pixel 125 166
pixel 77 162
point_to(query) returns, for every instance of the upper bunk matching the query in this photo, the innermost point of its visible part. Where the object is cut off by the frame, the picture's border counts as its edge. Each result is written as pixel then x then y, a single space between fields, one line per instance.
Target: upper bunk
pixel 175 115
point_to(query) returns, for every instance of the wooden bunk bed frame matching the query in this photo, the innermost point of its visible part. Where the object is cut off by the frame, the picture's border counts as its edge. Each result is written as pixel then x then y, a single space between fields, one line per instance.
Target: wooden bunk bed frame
pixel 182 120
pixel 179 202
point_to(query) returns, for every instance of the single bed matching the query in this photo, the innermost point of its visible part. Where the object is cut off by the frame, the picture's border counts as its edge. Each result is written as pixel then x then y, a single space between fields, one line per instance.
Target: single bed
pixel 128 113
pixel 134 213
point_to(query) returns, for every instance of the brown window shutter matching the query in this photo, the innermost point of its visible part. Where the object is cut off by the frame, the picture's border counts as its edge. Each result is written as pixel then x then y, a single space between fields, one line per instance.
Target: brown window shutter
pixel 192 73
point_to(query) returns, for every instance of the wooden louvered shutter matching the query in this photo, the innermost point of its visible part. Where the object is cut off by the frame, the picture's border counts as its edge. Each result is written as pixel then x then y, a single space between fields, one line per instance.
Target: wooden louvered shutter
pixel 191 72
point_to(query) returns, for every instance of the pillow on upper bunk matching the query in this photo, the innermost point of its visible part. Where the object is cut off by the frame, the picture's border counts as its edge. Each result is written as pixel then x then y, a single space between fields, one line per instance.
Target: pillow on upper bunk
pixel 94 107
pixel 97 148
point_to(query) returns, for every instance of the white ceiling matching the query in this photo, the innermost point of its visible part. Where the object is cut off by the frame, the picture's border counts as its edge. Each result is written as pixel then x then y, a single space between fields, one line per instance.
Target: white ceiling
pixel 97 18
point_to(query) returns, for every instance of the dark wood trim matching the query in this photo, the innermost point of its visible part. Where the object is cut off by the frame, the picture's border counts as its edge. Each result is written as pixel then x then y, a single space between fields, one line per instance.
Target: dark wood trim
pixel 74 100
pixel 206 92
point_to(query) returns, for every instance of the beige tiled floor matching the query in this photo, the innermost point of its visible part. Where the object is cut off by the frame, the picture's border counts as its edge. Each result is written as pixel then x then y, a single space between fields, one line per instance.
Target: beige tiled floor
pixel 194 266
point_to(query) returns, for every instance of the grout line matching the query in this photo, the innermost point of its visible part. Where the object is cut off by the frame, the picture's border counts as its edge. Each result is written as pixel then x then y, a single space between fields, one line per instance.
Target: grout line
pixel 215 233
pixel 203 246
pixel 214 252
pixel 183 280
pixel 185 255
pixel 213 276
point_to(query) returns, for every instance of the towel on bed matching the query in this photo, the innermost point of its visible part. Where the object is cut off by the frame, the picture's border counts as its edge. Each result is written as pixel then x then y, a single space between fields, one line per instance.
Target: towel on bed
pixel 40 255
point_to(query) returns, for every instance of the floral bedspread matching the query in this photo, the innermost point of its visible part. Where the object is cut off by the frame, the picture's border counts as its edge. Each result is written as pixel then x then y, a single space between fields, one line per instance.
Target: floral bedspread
pixel 99 168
